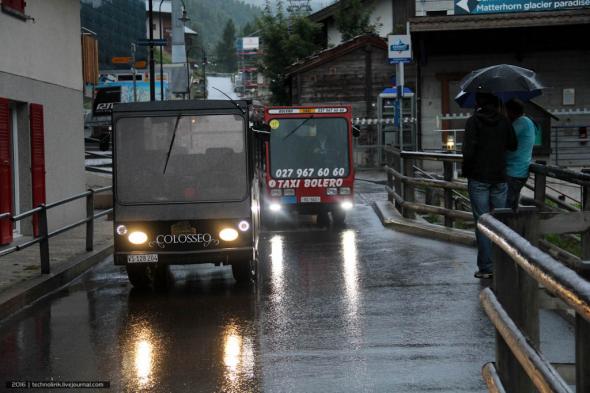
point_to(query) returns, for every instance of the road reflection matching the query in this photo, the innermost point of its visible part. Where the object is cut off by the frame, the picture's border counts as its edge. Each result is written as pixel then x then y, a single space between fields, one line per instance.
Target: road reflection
pixel 238 359
pixel 190 340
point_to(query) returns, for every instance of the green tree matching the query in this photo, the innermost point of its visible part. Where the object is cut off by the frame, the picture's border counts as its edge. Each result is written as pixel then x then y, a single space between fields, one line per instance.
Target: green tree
pixel 226 49
pixel 353 19
pixel 249 28
pixel 286 39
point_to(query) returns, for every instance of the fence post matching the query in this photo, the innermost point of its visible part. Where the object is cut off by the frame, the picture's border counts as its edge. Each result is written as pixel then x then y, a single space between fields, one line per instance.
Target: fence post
pixel 448 176
pixel 408 188
pixel 44 242
pixel 90 222
pixel 517 292
pixel 583 326
pixel 540 186
pixel 397 165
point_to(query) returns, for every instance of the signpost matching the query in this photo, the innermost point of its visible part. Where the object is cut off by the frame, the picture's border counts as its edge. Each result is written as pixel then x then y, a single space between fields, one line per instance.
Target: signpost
pixel 399 53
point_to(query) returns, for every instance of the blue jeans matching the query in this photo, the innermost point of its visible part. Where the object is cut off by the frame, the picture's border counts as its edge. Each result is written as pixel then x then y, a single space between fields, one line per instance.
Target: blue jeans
pixel 484 198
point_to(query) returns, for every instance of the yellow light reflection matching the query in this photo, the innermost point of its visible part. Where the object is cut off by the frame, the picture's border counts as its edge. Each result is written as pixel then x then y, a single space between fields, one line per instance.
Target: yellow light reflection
pixel 238 359
pixel 276 258
pixel 349 253
pixel 231 352
pixel 143 361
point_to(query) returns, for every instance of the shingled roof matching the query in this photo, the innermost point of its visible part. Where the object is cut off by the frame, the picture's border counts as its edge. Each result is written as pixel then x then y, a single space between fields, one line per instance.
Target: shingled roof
pixel 330 54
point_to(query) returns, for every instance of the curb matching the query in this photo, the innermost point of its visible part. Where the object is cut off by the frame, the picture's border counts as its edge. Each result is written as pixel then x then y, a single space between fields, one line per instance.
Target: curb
pixel 27 292
pixel 390 217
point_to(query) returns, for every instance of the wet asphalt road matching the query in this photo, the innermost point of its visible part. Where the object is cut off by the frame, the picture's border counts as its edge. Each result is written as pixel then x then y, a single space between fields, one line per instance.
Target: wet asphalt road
pixel 361 309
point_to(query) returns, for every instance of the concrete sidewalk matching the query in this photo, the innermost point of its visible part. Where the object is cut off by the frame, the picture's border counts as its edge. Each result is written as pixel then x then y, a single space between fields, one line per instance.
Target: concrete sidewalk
pixel 21 281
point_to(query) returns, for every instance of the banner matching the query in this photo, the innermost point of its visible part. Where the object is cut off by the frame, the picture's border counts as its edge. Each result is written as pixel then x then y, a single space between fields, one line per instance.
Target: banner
pixel 476 7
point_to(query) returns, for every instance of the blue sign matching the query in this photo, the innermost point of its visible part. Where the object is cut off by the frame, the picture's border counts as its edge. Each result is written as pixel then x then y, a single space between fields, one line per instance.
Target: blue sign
pixel 399 48
pixel 146 42
pixel 476 7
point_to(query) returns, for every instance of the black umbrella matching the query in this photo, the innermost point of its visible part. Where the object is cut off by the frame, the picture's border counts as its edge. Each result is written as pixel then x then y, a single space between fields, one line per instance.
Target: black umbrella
pixel 504 80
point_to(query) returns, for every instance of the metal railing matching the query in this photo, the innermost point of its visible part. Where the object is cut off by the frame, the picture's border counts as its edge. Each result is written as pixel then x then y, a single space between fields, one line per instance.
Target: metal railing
pixel 564 216
pixel 513 304
pixel 402 183
pixel 44 235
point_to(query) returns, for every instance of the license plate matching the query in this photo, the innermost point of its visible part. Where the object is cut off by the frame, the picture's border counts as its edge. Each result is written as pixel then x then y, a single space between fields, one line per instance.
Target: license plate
pixel 146 258
pixel 310 199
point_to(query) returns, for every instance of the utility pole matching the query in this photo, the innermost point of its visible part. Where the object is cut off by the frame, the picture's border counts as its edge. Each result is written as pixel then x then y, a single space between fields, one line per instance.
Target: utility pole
pixel 133 48
pixel 152 65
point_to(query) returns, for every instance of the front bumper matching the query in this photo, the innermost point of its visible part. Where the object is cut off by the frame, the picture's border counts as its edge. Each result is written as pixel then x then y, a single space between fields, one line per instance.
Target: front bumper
pixel 225 256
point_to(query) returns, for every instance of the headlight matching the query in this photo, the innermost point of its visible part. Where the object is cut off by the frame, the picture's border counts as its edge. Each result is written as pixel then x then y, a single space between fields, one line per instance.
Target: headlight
pixel 137 237
pixel 346 205
pixel 275 207
pixel 244 226
pixel 288 192
pixel 228 234
pixel 276 192
pixel 331 191
pixel 121 230
pixel 345 191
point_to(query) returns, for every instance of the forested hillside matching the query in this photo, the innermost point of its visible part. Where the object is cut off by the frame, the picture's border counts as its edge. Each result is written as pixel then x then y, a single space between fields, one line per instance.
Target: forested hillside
pixel 315 4
pixel 209 17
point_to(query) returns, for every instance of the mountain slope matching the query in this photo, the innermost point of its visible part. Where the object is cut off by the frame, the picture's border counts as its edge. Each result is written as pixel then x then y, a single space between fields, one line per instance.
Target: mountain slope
pixel 209 17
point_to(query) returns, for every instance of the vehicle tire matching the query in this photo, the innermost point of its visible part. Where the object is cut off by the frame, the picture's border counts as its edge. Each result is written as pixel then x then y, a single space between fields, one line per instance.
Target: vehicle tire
pixel 139 276
pixel 338 217
pixel 323 219
pixel 162 277
pixel 244 272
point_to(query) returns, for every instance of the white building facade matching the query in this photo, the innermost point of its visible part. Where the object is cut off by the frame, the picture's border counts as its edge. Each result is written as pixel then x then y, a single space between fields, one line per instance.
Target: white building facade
pixel 41 111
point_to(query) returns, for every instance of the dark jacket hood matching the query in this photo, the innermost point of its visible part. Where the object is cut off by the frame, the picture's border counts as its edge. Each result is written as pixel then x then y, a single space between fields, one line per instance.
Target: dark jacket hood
pixel 487 116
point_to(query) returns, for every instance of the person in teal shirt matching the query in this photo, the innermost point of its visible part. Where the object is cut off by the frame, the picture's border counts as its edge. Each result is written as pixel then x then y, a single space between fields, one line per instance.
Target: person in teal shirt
pixel 517 162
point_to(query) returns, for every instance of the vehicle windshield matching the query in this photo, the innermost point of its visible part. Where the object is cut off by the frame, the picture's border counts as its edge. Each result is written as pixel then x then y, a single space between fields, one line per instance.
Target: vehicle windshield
pixel 180 159
pixel 309 148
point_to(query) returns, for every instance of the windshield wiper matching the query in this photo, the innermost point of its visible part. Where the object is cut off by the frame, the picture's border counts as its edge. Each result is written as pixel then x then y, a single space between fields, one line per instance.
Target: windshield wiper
pixel 296 128
pixel 171 143
pixel 231 99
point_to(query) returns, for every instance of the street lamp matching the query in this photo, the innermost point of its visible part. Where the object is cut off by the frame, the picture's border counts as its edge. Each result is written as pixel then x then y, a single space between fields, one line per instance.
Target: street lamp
pixel 184 18
pixel 204 54
pixel 161 51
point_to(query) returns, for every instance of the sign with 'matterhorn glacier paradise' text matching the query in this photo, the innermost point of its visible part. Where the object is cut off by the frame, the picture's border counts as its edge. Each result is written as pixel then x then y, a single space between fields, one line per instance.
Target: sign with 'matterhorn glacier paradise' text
pixel 476 7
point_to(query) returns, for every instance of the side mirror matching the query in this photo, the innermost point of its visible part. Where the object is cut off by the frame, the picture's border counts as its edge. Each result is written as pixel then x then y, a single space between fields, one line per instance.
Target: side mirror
pixel 356 132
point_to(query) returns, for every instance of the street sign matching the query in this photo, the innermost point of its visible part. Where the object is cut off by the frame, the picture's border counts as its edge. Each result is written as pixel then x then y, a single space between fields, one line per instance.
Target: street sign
pixel 399 48
pixel 474 7
pixel 146 42
pixel 121 60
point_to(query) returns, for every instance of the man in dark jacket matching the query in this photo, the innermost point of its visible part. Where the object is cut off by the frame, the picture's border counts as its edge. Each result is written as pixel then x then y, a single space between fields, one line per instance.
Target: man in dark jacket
pixel 488 136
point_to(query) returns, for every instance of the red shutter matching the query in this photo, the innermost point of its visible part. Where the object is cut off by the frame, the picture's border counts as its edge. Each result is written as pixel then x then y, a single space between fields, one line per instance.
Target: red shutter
pixel 5 172
pixel 37 159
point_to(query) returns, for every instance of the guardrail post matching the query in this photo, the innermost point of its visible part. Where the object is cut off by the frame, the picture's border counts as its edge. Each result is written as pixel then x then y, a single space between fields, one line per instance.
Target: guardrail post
pixel 540 186
pixel 582 354
pixel 583 326
pixel 408 188
pixel 517 292
pixel 397 165
pixel 448 176
pixel 44 240
pixel 90 222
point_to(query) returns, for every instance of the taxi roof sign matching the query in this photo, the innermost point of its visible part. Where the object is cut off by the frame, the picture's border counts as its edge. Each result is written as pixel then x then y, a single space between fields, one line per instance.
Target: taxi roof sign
pixel 285 111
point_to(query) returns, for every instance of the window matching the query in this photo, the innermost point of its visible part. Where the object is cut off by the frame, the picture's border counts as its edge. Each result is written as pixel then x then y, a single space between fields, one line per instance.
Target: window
pixel 14 7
